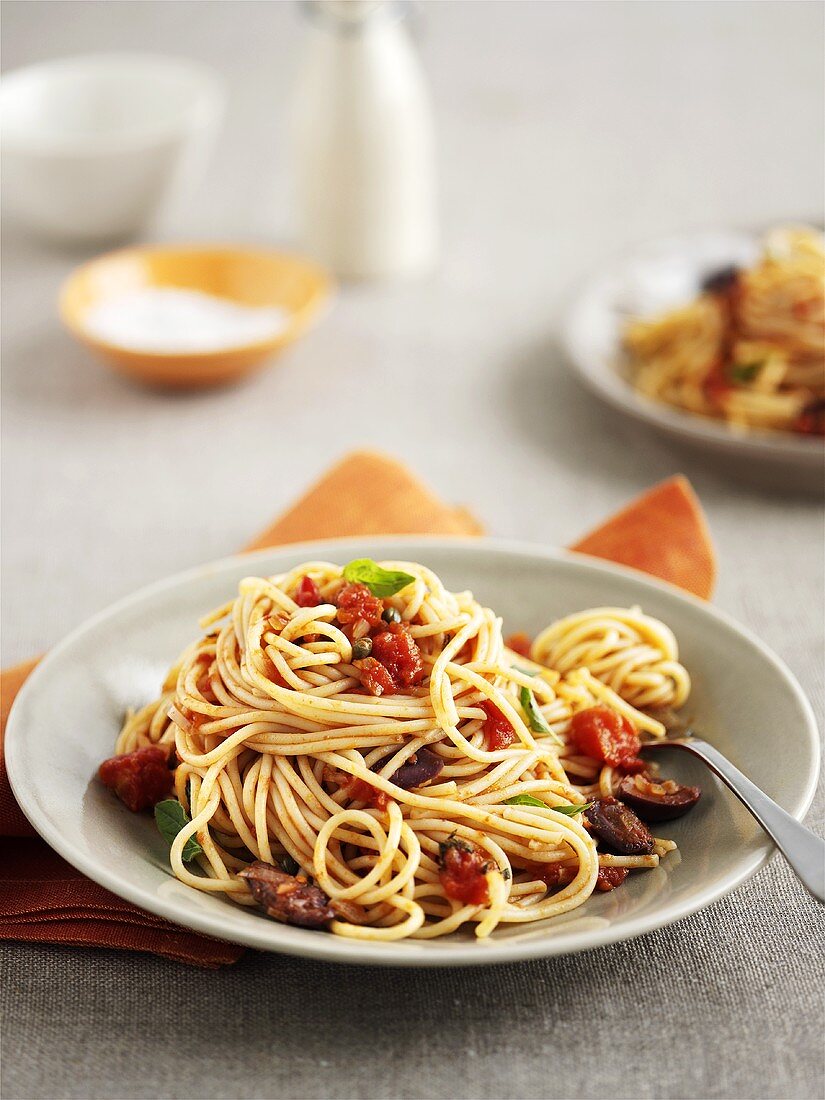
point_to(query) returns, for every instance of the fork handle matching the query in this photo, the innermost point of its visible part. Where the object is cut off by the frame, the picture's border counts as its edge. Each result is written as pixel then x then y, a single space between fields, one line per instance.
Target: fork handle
pixel 801 848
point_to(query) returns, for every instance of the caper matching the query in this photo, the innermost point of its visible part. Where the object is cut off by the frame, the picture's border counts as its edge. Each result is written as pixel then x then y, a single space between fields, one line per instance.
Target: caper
pixel 391 615
pixel 361 649
pixel 289 866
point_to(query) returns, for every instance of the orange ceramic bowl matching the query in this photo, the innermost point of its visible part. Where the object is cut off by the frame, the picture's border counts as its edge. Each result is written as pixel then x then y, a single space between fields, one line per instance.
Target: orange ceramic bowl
pixel 250 277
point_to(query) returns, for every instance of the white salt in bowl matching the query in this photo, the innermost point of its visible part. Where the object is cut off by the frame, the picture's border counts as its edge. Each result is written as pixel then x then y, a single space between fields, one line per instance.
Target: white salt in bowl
pixel 95 146
pixel 145 311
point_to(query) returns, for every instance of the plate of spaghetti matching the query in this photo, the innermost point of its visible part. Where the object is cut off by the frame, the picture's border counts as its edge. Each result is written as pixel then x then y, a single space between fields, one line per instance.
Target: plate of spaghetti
pixel 718 337
pixel 407 751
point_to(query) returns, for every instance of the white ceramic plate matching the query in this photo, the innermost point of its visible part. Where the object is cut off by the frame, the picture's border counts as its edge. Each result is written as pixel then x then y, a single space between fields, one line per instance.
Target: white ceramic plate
pixel 655 277
pixel 67 716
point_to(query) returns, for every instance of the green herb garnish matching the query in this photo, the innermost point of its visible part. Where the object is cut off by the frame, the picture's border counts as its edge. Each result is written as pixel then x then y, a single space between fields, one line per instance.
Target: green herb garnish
pixel 529 800
pixel 381 582
pixel 744 372
pixel 170 818
pixel 526 800
pixel 535 718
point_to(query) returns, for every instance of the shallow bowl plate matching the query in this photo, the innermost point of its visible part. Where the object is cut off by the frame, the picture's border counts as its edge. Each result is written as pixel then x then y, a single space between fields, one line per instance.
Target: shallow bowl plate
pixel 655 277
pixel 68 713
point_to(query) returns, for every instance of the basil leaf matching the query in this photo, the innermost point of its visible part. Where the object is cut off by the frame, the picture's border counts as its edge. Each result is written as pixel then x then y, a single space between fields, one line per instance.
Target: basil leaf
pixel 743 372
pixel 571 811
pixel 381 582
pixel 525 800
pixel 170 818
pixel 529 800
pixel 535 718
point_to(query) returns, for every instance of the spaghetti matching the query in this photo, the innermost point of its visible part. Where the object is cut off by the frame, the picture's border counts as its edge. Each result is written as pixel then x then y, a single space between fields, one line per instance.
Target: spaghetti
pixel 750 350
pixel 369 751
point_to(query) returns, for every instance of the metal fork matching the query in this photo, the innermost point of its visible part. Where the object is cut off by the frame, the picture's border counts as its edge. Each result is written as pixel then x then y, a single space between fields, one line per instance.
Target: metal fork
pixel 801 848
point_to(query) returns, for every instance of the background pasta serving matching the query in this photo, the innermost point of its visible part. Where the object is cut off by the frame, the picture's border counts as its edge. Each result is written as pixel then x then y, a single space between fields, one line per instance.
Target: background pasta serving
pixel 750 349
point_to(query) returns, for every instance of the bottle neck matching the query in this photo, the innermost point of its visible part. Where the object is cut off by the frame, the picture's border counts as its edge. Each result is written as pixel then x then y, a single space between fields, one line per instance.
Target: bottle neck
pixel 350 17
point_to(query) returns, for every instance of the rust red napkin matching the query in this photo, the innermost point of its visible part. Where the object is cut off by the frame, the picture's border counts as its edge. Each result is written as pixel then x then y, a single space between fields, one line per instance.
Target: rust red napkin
pixel 43 899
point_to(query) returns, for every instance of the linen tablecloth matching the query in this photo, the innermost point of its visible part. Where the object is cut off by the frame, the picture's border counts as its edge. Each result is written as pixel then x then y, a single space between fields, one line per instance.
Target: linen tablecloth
pixel 567 133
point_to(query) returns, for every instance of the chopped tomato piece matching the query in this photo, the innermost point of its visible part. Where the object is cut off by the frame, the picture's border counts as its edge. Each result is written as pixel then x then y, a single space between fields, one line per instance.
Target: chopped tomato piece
pixel 375 678
pixel 811 420
pixel 498 731
pixel 356 603
pixel 716 384
pixel 605 735
pixel 519 643
pixel 804 308
pixel 307 594
pixel 395 648
pixel 361 791
pixel 553 874
pixel 610 877
pixel 140 778
pixel 194 718
pixel 462 872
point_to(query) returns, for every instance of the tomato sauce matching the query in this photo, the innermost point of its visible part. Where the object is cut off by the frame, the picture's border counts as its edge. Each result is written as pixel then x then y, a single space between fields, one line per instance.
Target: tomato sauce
pixel 519 643
pixel 272 673
pixel 610 877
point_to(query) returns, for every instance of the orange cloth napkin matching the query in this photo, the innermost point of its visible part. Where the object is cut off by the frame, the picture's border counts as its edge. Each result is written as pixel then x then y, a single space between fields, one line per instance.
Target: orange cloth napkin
pixel 43 899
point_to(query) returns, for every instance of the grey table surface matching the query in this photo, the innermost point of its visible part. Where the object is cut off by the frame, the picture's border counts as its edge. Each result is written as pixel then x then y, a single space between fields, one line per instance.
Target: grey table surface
pixel 567 131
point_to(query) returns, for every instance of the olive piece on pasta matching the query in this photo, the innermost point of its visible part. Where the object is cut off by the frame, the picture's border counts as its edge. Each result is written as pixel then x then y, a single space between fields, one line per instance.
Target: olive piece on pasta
pixel 361 649
pixel 391 615
pixel 287 898
pixel 657 800
pixel 620 829
pixel 720 280
pixel 421 767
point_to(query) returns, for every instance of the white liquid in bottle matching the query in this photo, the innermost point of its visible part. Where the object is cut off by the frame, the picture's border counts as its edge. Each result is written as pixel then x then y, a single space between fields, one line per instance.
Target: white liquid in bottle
pixel 363 144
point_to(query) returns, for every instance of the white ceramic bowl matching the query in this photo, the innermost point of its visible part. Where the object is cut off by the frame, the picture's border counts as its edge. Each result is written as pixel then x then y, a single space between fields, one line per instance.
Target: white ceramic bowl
pixel 66 718
pixel 93 146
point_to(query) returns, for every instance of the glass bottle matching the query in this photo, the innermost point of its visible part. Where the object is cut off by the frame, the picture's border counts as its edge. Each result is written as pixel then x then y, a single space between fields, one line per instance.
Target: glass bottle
pixel 363 143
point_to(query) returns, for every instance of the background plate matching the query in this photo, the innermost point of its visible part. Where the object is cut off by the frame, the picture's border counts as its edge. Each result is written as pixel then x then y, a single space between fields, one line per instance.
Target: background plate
pixel 745 700
pixel 657 276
